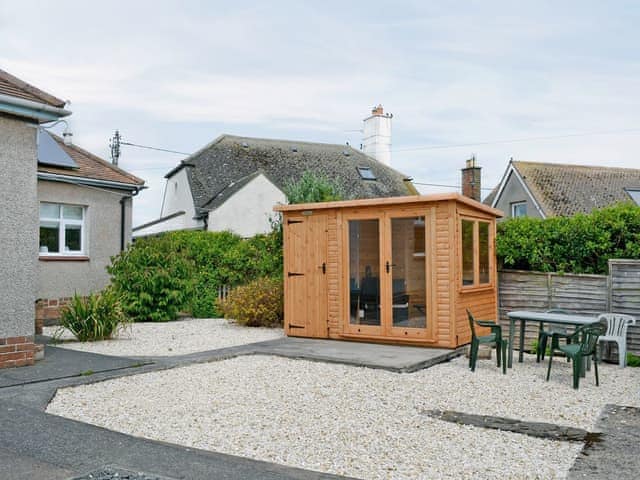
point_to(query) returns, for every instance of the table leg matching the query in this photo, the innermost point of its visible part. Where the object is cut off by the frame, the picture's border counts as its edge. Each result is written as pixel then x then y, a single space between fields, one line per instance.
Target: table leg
pixel 512 328
pixel 521 353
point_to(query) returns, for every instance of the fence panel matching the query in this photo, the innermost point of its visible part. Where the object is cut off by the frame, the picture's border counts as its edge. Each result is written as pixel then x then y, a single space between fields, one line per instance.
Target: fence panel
pixel 625 298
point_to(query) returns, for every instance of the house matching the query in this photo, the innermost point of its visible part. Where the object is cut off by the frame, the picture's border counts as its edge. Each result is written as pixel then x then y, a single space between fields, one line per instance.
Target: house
pixel 233 183
pixel 65 213
pixel 85 207
pixel 23 108
pixel 543 190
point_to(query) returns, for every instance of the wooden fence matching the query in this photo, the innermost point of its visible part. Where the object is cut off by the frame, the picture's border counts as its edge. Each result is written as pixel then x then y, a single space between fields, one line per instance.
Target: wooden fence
pixel 587 294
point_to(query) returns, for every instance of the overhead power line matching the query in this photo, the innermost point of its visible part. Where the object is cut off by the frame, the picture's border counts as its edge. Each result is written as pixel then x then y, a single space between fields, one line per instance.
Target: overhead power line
pixel 441 185
pixel 515 140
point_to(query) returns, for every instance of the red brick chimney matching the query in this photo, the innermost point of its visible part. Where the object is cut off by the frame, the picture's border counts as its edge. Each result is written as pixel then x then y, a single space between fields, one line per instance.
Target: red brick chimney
pixel 471 180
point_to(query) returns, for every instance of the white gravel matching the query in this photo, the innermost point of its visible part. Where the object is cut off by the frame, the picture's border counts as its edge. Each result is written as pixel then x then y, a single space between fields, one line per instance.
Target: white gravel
pixel 172 338
pixel 356 421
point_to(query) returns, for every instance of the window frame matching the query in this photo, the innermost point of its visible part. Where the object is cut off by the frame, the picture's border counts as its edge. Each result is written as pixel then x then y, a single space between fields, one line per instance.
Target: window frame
pixel 476 285
pixel 369 172
pixel 62 223
pixel 517 204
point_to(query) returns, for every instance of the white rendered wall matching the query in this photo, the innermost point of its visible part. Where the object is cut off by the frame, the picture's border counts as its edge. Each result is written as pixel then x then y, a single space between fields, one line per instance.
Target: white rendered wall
pixel 177 198
pixel 248 211
pixel 376 141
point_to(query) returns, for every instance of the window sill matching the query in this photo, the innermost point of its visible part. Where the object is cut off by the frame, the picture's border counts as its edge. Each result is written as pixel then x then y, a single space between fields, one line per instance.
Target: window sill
pixel 63 258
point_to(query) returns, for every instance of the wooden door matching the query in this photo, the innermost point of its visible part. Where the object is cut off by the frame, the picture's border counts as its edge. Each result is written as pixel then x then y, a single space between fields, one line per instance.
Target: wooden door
pixel 306 276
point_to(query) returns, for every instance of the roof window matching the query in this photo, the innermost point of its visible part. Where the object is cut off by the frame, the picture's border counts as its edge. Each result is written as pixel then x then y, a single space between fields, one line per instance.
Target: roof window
pixel 634 193
pixel 366 173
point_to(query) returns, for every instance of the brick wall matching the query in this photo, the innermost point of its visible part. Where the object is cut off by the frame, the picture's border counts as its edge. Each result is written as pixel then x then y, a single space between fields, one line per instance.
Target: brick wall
pixel 17 351
pixel 48 311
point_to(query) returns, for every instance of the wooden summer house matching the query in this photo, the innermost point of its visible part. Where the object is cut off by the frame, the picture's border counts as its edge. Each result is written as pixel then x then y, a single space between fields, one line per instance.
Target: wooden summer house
pixel 393 270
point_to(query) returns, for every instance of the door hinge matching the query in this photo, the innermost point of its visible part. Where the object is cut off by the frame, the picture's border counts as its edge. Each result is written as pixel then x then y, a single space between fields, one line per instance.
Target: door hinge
pixel 294 274
pixel 296 326
pixel 289 222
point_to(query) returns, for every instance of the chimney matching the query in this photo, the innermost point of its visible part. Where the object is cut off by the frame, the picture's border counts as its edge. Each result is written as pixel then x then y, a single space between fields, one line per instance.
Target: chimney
pixel 471 177
pixel 376 141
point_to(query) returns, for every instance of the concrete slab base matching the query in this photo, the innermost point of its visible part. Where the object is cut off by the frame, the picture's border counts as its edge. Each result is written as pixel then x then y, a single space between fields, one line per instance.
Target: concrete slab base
pixel 394 358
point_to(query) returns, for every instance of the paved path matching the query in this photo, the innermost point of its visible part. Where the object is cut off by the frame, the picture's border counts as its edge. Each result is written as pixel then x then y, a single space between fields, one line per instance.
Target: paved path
pixel 616 453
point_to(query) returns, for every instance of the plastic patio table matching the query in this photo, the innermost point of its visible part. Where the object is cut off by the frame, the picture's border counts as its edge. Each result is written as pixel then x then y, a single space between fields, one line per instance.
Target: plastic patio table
pixel 541 317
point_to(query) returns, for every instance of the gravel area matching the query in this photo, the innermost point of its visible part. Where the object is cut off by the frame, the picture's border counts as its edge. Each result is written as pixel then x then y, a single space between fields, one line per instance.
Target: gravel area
pixel 356 421
pixel 172 338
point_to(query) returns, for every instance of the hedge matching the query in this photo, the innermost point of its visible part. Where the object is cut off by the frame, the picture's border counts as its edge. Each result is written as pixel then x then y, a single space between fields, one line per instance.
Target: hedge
pixel 582 243
pixel 182 271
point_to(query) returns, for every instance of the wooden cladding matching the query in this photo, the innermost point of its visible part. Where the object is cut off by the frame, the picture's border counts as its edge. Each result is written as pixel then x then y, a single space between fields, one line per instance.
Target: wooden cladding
pixel 390 271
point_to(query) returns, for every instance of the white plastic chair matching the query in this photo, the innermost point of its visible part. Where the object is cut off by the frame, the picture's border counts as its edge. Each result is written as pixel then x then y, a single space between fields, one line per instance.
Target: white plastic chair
pixel 617 324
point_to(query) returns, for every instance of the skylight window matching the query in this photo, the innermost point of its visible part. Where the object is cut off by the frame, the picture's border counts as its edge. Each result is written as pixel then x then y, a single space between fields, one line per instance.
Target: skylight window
pixel 634 193
pixel 366 173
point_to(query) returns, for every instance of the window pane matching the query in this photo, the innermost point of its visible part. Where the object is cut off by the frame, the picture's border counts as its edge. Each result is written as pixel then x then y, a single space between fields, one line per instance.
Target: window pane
pixel 364 272
pixel 467 252
pixel 519 210
pixel 483 239
pixel 72 238
pixel 408 273
pixel 49 210
pixel 72 213
pixel 49 235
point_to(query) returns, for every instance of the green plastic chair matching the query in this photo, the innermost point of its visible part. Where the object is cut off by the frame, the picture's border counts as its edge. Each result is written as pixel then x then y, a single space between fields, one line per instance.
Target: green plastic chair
pixel 555 332
pixel 494 337
pixel 584 343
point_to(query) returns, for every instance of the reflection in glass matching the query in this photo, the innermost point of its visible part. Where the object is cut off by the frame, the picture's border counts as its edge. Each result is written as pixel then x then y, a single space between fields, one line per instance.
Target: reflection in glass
pixel 483 239
pixel 364 273
pixel 49 237
pixel 73 238
pixel 467 252
pixel 408 272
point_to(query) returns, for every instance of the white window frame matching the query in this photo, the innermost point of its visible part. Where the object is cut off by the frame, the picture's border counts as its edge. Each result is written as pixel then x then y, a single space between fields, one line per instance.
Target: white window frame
pixel 517 204
pixel 62 223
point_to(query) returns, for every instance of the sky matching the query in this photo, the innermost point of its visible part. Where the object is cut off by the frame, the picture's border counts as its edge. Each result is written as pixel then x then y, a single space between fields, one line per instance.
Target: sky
pixel 494 79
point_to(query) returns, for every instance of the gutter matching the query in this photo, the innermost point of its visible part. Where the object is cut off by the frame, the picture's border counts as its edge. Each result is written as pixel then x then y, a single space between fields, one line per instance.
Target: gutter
pixel 123 214
pixel 30 109
pixel 56 177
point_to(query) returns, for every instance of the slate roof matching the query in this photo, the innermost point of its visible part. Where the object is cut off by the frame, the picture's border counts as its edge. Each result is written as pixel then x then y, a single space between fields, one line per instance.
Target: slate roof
pixel 563 190
pixel 14 87
pixel 90 166
pixel 219 169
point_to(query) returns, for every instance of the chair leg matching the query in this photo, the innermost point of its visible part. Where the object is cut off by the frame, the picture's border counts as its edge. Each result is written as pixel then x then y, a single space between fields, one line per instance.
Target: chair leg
pixel 577 362
pixel 568 343
pixel 474 355
pixel 498 352
pixel 622 354
pixel 504 357
pixel 538 348
pixel 542 346
pixel 549 369
pixel 595 367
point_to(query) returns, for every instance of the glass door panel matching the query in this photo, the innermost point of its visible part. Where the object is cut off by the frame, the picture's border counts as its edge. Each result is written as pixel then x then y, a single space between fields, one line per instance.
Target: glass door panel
pixel 364 273
pixel 408 280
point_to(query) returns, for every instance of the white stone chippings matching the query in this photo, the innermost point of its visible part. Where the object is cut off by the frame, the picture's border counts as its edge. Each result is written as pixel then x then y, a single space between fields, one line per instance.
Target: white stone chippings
pixel 355 421
pixel 172 338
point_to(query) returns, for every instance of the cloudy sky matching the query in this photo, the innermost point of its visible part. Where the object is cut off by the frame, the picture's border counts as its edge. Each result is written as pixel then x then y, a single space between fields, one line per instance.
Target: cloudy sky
pixel 459 77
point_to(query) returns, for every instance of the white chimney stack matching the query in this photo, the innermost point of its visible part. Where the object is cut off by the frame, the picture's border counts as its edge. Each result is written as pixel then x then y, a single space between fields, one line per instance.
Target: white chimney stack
pixel 376 141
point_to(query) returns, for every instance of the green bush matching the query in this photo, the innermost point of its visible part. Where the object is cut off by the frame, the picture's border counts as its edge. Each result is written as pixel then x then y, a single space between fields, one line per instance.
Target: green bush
pixel 578 244
pixel 260 303
pixel 182 271
pixel 96 317
pixel 313 188
pixel 154 279
pixel 633 360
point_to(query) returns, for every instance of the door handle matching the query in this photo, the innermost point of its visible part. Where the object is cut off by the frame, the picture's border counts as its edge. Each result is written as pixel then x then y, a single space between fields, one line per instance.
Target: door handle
pixel 388 266
pixel 323 267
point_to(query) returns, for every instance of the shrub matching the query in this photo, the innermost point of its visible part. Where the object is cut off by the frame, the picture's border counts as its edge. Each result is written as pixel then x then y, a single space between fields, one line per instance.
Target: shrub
pixel 260 303
pixel 313 188
pixel 96 317
pixel 578 244
pixel 633 360
pixel 153 278
pixel 182 271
